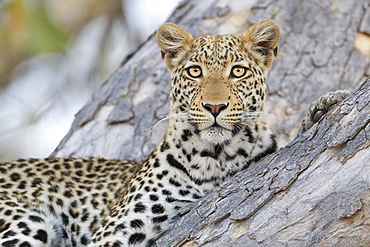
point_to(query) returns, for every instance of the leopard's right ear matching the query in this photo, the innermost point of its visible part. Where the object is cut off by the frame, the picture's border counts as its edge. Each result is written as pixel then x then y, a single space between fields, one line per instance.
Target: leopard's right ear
pixel 262 40
pixel 174 43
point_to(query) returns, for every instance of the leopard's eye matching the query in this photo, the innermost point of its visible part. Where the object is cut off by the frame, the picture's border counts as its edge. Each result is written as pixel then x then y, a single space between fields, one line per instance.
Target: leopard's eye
pixel 194 71
pixel 238 71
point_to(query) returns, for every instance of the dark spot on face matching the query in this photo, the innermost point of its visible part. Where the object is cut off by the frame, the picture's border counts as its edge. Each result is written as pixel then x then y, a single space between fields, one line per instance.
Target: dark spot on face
pixel 73 213
pixel 121 226
pixel 25 244
pixel 35 218
pixel 136 238
pixel 174 182
pixel 196 196
pixel 188 157
pixel 117 244
pixel 15 177
pixel 153 197
pixel 165 146
pixel 139 208
pixel 196 166
pixel 170 199
pixel 42 236
pixel 166 192
pixel 8 234
pixel 26 230
pixel 184 192
pixel 242 152
pixel 67 194
pixel 186 135
pixel 22 185
pixel 60 202
pixel 176 164
pixel 138 196
pixel 85 239
pixel 136 223
pixel 156 163
pixel 157 209
pixel 10 243
pixel 133 189
pixel 65 219
pixel 160 219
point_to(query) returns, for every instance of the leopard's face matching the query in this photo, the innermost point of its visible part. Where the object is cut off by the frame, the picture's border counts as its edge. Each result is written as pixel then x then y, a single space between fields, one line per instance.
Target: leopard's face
pixel 218 82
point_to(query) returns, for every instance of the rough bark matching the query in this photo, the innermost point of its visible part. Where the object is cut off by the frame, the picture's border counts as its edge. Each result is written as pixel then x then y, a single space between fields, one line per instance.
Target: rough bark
pixel 317 55
pixel 314 191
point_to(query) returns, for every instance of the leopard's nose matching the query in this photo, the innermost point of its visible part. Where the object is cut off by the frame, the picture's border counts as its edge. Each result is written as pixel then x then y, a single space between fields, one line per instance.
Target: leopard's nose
pixel 215 109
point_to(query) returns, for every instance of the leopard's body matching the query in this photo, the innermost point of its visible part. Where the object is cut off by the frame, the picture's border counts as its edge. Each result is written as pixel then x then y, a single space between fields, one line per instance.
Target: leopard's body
pixel 58 202
pixel 214 130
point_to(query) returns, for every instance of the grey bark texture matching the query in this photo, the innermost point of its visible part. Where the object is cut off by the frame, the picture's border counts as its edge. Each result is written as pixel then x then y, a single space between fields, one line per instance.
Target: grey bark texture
pixel 312 192
pixel 317 55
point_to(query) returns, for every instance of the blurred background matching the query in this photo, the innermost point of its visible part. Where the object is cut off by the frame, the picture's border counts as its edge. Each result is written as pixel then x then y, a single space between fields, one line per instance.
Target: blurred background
pixel 54 54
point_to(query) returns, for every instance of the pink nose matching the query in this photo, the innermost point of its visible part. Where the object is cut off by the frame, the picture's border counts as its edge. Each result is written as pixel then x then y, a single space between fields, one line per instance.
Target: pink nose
pixel 215 109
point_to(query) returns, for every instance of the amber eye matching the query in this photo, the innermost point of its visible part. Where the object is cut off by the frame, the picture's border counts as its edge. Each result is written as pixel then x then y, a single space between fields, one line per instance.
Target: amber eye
pixel 238 71
pixel 194 71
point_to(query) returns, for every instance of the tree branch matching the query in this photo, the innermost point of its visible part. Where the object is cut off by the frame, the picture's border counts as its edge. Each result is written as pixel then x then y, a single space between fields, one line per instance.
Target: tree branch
pixel 314 191
pixel 317 55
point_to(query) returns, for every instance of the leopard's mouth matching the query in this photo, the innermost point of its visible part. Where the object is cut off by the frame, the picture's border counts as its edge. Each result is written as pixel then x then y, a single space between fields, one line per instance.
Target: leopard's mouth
pixel 216 134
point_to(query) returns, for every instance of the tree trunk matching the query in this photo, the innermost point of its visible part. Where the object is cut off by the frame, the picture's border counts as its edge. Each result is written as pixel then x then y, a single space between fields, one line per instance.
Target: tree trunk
pixel 317 55
pixel 315 190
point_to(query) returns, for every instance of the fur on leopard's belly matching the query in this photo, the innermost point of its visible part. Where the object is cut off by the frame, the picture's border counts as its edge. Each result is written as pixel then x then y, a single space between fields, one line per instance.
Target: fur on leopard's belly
pixel 215 129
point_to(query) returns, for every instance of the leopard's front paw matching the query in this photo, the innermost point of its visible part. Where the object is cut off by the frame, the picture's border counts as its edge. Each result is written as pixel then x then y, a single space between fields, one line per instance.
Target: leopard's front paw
pixel 321 106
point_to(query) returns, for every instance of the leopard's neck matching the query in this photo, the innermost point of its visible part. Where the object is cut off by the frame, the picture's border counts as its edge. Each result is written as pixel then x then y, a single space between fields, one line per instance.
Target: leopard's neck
pixel 206 164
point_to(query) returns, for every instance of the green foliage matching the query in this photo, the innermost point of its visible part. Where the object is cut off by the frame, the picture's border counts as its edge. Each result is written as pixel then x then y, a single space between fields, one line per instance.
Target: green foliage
pixel 26 29
pixel 44 34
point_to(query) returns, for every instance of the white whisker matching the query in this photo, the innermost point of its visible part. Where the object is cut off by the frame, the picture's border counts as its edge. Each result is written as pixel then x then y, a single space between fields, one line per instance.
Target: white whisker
pixel 165 118
pixel 259 115
pixel 180 114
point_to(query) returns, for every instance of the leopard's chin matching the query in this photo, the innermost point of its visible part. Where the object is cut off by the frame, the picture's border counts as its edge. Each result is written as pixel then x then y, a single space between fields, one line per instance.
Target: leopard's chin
pixel 216 135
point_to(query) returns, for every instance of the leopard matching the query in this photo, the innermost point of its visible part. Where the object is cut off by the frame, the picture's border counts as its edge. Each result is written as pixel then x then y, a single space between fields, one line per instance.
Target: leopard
pixel 215 129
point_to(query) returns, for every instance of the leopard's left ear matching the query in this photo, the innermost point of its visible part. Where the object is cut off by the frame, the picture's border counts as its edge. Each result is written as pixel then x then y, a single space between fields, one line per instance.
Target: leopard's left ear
pixel 174 42
pixel 262 40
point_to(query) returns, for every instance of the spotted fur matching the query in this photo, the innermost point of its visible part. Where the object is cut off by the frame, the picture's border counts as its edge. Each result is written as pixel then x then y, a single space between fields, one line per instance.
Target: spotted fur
pixel 58 202
pixel 218 86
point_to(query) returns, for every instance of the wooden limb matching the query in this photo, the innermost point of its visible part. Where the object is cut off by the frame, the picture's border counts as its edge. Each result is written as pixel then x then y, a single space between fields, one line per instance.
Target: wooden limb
pixel 317 55
pixel 313 192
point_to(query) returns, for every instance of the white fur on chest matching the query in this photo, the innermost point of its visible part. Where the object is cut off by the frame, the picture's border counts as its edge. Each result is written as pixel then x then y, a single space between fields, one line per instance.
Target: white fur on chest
pixel 208 164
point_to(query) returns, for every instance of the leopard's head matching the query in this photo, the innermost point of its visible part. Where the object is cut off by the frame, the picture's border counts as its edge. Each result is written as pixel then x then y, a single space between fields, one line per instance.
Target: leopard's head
pixel 218 80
